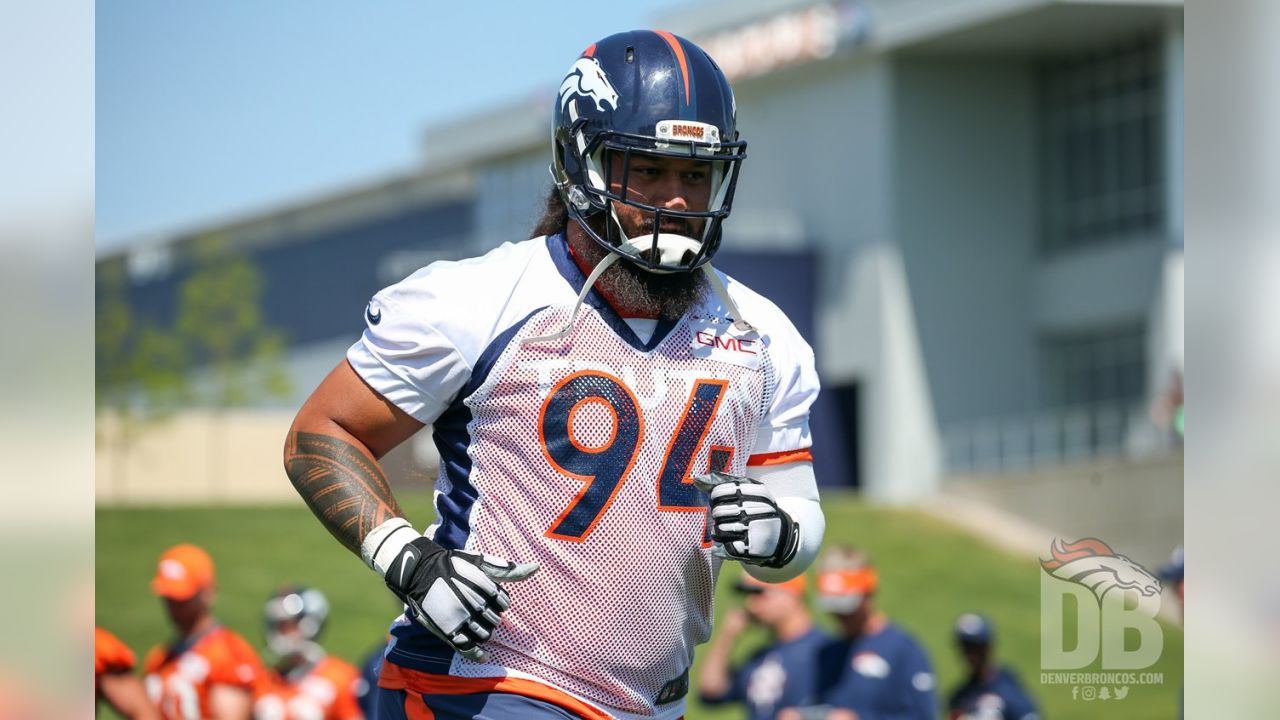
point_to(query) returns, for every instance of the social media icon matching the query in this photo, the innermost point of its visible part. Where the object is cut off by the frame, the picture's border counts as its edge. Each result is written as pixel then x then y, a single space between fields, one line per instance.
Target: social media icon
pixel 1089 692
pixel 1122 692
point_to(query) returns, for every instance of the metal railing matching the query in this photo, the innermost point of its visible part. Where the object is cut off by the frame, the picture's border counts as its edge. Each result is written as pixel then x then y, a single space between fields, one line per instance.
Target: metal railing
pixel 1053 437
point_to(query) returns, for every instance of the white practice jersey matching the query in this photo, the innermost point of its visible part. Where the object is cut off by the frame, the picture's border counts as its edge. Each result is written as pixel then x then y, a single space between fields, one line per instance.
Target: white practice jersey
pixel 578 454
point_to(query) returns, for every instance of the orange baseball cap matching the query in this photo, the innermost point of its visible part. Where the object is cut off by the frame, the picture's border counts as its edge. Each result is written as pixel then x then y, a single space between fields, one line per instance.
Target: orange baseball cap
pixel 183 571
pixel 795 586
pixel 847 582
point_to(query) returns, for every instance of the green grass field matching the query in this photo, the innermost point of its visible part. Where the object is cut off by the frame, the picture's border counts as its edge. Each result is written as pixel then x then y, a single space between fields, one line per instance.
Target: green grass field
pixel 930 572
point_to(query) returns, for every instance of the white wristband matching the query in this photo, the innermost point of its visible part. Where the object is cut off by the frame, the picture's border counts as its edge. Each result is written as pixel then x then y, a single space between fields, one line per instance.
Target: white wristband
pixel 385 542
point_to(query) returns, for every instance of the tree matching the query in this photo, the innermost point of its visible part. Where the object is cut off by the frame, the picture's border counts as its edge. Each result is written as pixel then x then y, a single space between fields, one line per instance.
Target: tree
pixel 138 369
pixel 218 353
pixel 222 328
pixel 114 325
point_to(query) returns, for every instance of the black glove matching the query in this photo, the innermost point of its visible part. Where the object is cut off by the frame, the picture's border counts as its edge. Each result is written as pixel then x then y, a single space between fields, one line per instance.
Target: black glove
pixel 746 522
pixel 452 593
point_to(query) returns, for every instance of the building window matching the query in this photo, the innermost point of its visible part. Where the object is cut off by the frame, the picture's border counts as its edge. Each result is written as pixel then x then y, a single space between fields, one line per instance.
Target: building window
pixel 149 262
pixel 1101 145
pixel 1095 368
pixel 509 198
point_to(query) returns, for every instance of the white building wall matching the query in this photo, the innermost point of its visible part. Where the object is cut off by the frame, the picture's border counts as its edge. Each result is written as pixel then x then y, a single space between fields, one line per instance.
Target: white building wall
pixel 816 151
pixel 825 158
pixel 901 443
pixel 817 154
pixel 1165 341
pixel 1165 338
pixel 964 198
pixel 1173 69
pixel 1109 285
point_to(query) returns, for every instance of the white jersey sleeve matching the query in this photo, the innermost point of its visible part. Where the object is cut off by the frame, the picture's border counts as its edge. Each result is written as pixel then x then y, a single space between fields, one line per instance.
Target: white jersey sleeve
pixel 423 335
pixel 786 425
pixel 407 358
pixel 783 434
pixel 781 456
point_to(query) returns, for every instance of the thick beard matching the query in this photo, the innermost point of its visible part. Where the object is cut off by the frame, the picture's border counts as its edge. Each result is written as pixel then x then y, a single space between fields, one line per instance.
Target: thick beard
pixel 663 295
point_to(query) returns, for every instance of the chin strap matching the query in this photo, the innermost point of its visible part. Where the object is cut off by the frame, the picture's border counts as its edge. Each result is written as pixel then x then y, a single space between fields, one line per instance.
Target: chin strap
pixel 713 277
pixel 739 323
pixel 603 265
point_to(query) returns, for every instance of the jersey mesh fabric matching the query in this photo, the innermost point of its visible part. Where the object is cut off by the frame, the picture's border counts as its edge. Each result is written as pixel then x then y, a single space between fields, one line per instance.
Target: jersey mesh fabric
pixel 625 589
pixel 616 609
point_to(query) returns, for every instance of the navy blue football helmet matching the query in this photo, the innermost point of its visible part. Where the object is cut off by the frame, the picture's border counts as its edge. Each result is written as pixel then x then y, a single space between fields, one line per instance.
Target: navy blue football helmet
pixel 653 93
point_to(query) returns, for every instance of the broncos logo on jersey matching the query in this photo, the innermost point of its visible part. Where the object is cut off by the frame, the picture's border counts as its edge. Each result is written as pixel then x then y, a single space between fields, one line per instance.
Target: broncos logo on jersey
pixel 587 79
pixel 1093 564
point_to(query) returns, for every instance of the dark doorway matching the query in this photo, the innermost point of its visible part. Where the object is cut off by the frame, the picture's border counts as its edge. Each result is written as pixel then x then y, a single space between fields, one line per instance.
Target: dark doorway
pixel 847 398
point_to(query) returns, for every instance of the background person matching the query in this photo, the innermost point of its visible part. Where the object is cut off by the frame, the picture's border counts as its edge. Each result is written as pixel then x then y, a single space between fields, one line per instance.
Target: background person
pixel 367 688
pixel 875 669
pixel 114 681
pixel 207 670
pixel 1172 574
pixel 989 692
pixel 306 682
pixel 781 674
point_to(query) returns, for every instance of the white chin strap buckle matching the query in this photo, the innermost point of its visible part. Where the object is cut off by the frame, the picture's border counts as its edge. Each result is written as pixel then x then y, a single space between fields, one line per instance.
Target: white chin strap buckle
pixel 672 248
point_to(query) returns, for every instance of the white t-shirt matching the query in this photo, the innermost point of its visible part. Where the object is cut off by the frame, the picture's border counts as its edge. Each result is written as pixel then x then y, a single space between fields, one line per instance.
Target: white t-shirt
pixel 577 454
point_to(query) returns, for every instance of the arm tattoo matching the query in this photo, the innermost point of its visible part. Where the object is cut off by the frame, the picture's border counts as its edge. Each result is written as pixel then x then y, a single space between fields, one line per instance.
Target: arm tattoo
pixel 341 484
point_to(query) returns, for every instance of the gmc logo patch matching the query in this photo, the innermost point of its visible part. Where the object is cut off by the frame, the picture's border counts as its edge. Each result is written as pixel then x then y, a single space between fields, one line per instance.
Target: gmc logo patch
pixel 715 342
pixel 742 345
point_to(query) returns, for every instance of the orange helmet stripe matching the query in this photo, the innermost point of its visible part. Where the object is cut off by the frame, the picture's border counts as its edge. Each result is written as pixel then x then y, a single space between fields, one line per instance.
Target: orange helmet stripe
pixel 684 64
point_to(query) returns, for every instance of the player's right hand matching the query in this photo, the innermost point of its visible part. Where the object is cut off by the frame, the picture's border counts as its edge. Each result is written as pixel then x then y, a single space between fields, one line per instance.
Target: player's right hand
pixel 734 622
pixel 452 593
pixel 746 523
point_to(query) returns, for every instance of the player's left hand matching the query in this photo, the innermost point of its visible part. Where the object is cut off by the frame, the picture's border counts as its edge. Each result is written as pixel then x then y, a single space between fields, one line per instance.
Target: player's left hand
pixel 746 522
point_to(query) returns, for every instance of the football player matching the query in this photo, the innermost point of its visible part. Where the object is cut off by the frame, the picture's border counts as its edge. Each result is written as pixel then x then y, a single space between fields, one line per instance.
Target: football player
pixel 207 671
pixel 306 683
pixel 577 383
pixel 114 681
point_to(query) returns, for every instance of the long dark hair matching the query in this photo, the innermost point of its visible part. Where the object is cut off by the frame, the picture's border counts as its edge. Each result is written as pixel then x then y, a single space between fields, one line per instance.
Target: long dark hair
pixel 554 215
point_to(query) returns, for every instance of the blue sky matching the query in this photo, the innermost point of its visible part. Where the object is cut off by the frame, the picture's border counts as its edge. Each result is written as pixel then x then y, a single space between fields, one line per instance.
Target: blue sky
pixel 211 110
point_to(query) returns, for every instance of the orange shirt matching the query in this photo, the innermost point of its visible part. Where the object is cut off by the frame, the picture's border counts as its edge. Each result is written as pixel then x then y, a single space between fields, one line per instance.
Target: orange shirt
pixel 326 692
pixel 179 683
pixel 110 656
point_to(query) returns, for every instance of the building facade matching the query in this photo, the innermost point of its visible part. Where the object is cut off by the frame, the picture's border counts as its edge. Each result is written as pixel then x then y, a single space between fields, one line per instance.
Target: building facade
pixel 977 203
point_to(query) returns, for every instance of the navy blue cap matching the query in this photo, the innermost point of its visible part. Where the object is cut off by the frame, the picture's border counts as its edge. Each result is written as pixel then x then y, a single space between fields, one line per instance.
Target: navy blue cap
pixel 974 628
pixel 1172 572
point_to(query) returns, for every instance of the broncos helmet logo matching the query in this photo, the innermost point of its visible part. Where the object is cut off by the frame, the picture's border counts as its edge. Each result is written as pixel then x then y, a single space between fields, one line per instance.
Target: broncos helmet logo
pixel 587 79
pixel 1093 564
